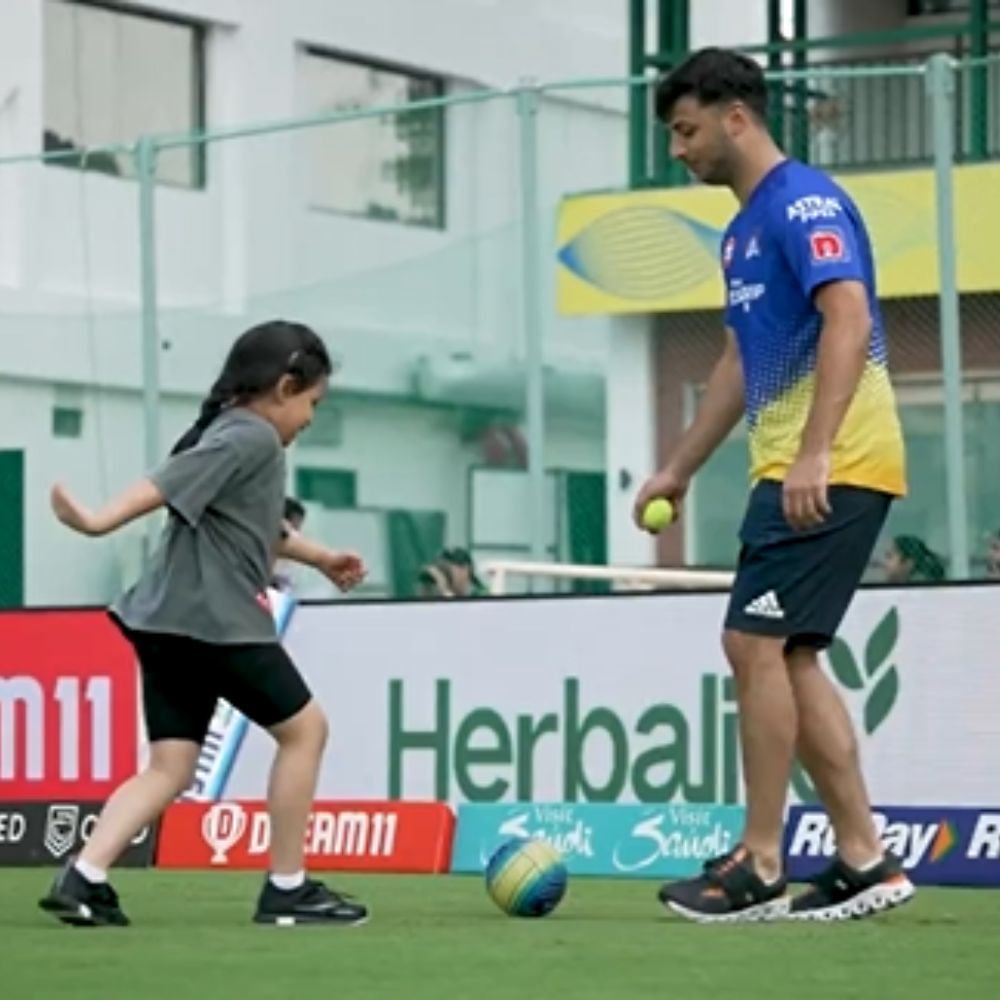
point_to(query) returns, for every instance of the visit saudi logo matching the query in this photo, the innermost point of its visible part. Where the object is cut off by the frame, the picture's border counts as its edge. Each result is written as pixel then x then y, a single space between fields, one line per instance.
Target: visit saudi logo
pixel 875 677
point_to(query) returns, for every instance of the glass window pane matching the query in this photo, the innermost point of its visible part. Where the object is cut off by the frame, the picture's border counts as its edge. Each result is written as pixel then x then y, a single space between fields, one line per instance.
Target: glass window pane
pixel 391 167
pixel 111 77
pixel 720 489
pixel 917 8
pixel 718 498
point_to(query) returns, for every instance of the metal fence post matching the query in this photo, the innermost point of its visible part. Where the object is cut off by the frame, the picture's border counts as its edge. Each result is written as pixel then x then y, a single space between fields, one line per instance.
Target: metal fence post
pixel 527 111
pixel 145 158
pixel 940 81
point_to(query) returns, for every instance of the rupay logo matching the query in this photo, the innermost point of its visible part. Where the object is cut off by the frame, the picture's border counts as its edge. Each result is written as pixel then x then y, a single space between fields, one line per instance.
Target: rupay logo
pixel 913 842
pixel 938 845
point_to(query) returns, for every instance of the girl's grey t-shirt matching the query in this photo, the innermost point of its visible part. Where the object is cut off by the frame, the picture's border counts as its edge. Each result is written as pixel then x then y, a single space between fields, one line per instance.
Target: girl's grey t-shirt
pixel 209 576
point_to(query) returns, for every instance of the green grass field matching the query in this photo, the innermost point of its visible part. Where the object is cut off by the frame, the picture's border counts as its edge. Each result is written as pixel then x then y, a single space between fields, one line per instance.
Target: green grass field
pixel 441 937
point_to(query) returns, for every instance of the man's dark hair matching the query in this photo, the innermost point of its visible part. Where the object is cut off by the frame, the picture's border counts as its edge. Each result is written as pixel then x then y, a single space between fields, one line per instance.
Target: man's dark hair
pixel 714 76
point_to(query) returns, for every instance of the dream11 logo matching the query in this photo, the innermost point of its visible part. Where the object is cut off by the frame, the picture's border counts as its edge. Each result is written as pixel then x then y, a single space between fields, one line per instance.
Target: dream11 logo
pixel 68 706
pixel 223 827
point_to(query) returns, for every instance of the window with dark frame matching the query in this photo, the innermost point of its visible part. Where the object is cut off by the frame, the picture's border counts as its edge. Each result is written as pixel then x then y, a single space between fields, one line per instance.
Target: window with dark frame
pixel 112 74
pixel 388 167
pixel 919 8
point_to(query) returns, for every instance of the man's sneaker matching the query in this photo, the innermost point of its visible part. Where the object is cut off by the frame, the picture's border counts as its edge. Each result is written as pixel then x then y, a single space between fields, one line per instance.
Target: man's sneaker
pixel 727 891
pixel 74 900
pixel 311 903
pixel 844 893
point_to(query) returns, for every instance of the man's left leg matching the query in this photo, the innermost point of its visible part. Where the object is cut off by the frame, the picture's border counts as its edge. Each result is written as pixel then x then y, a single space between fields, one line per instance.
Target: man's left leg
pixel 747 883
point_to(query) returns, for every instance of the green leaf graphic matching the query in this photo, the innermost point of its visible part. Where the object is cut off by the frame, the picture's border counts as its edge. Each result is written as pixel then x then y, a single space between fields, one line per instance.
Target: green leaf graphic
pixel 882 642
pixel 845 667
pixel 881 700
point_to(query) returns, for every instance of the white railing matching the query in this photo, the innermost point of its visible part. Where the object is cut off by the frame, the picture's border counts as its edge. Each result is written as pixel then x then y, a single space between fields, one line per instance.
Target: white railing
pixel 497 573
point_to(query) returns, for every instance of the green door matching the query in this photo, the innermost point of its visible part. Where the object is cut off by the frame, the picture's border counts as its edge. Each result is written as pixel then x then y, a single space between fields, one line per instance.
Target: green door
pixel 11 529
pixel 586 511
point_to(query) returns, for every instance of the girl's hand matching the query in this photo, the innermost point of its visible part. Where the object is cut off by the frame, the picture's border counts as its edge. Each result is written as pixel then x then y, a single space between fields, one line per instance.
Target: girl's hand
pixel 345 569
pixel 72 513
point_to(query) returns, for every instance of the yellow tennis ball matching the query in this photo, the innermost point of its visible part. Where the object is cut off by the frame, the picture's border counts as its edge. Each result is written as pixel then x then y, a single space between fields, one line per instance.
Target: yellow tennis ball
pixel 657 514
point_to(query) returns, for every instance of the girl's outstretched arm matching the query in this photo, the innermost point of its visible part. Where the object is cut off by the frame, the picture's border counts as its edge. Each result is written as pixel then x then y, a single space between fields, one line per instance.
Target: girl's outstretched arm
pixel 140 498
pixel 345 569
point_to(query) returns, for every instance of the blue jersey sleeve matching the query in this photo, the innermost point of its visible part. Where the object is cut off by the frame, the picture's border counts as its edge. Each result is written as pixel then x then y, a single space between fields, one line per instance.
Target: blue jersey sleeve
pixel 819 236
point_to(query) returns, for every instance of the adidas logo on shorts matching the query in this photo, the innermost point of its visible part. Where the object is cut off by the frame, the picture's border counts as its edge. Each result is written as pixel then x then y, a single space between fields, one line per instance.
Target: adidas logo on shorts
pixel 765 606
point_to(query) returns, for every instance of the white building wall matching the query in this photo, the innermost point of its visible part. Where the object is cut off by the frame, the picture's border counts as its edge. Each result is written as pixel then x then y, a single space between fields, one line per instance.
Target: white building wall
pixel 248 246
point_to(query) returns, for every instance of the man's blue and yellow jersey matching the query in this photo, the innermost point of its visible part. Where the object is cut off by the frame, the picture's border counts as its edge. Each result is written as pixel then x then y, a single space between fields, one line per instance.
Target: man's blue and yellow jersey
pixel 799 231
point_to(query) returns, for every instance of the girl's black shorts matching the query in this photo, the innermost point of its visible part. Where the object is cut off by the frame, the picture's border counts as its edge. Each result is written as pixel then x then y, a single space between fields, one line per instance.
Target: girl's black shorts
pixel 183 679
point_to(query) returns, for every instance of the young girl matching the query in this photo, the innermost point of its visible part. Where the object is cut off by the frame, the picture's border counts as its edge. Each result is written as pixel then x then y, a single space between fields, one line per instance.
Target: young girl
pixel 201 625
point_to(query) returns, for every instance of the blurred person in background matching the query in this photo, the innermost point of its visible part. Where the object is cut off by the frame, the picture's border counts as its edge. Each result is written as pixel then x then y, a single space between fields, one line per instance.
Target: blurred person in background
pixel 434 580
pixel 993 556
pixel 465 581
pixel 295 513
pixel 295 518
pixel 908 559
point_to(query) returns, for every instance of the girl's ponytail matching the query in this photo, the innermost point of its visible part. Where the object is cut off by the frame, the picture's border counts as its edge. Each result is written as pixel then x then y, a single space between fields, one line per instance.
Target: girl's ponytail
pixel 212 405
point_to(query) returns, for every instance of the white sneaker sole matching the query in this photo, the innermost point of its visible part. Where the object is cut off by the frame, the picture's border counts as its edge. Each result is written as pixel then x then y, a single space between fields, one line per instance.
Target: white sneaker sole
pixel 769 912
pixel 291 921
pixel 877 899
pixel 76 914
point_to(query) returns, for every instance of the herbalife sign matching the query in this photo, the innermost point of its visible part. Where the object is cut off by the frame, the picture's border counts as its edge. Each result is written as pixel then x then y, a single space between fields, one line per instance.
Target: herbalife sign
pixel 575 748
pixel 628 699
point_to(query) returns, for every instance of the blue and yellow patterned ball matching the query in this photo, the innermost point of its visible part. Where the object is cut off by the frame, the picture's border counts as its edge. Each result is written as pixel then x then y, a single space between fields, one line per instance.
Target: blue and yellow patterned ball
pixel 526 877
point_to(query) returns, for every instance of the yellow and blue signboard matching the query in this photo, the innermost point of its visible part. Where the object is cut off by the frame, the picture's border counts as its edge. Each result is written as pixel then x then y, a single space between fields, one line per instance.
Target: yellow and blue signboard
pixel 658 250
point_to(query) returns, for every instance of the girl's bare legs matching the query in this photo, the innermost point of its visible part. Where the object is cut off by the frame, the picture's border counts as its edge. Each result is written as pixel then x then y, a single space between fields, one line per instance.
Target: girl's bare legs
pixel 139 801
pixel 292 786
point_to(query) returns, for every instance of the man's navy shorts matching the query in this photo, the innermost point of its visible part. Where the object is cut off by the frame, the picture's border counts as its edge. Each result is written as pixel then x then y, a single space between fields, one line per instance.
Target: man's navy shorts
pixel 799 584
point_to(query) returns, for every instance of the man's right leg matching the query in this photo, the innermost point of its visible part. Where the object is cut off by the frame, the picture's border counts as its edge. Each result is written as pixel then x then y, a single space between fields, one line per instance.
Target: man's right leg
pixel 828 749
pixel 768 727
pixel 747 883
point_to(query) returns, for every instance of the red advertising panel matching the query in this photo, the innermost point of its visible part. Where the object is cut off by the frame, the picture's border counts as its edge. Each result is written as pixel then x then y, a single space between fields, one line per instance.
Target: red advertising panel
pixel 68 706
pixel 346 836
